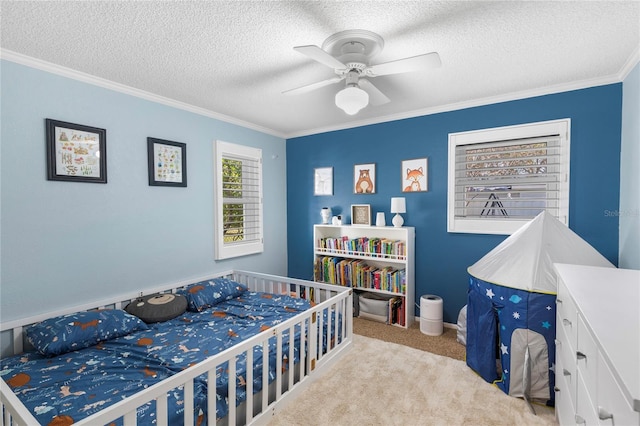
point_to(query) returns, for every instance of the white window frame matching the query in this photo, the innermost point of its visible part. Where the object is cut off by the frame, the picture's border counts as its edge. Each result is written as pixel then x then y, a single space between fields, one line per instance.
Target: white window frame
pixel 227 249
pixel 497 224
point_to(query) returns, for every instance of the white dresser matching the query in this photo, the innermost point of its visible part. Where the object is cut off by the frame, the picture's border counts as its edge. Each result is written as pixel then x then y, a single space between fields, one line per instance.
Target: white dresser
pixel 597 346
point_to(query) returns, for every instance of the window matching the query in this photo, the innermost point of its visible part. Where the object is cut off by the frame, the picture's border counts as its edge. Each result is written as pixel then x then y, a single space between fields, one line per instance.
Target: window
pixel 501 178
pixel 238 200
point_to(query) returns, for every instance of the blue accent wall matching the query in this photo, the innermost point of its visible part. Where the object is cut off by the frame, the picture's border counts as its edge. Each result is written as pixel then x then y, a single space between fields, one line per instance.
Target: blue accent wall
pixel 68 243
pixel 442 258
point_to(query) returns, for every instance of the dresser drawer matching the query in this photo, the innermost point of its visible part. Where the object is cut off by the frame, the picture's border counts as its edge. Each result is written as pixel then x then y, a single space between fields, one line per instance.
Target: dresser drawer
pixel 585 409
pixel 565 407
pixel 612 406
pixel 587 357
pixel 566 364
pixel 567 314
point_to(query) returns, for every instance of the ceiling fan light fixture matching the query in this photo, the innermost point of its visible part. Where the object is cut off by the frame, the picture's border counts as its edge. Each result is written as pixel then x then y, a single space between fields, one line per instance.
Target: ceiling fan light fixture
pixel 352 99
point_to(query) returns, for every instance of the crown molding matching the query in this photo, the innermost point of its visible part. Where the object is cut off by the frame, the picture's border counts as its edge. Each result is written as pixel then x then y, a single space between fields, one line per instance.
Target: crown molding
pixel 111 85
pixel 548 90
pixel 633 60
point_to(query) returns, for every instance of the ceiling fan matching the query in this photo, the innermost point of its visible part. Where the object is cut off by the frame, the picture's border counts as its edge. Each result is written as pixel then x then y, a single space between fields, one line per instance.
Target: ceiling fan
pixel 349 54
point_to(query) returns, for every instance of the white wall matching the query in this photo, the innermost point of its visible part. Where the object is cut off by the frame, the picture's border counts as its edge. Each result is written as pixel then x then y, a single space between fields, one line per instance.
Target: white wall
pixel 629 253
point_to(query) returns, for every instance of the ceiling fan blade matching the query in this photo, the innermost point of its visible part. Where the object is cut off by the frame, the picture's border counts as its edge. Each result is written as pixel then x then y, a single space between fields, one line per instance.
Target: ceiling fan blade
pixel 414 63
pixel 319 55
pixel 312 86
pixel 376 97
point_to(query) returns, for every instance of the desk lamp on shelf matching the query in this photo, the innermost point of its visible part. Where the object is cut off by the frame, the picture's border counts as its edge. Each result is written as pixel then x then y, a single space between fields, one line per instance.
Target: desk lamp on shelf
pixel 398 206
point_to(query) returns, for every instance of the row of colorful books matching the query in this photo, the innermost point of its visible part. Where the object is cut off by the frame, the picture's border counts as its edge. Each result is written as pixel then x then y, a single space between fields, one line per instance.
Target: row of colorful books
pixel 397 311
pixel 357 273
pixel 381 247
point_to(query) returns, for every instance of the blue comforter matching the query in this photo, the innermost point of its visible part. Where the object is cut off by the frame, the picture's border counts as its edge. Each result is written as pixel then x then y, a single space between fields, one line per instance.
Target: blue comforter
pixel 74 385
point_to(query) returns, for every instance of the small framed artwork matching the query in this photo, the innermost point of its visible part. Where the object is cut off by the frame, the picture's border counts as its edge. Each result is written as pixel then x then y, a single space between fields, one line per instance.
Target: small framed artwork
pixel 414 175
pixel 76 153
pixel 167 162
pixel 364 178
pixel 361 214
pixel 323 181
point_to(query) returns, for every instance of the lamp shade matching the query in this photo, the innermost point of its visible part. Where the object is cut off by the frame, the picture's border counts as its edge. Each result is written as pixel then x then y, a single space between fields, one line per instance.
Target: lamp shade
pixel 398 205
pixel 352 99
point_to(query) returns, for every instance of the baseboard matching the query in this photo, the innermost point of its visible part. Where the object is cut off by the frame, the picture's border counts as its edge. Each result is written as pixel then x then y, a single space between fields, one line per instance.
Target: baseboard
pixel 444 324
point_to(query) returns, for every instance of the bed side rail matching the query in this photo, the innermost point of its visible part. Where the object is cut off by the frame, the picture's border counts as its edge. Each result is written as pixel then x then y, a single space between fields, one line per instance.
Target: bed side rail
pixel 310 290
pixel 313 331
pixel 12 412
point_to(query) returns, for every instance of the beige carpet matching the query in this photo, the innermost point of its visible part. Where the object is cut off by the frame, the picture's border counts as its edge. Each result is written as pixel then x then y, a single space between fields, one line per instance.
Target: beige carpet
pixel 446 344
pixel 382 383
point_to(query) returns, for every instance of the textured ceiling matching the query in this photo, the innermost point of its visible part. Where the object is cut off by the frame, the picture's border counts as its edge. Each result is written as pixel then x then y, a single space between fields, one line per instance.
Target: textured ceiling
pixel 233 59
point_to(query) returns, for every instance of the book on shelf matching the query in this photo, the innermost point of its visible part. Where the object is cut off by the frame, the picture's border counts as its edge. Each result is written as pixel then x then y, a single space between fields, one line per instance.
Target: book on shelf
pixel 357 273
pixel 376 247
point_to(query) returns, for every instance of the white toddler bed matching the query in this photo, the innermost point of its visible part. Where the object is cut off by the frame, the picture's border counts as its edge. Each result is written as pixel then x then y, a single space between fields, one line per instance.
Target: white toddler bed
pixel 286 355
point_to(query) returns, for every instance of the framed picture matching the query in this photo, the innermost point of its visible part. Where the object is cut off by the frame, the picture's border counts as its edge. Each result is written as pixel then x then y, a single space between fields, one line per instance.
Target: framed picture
pixel 414 175
pixel 323 181
pixel 76 153
pixel 364 179
pixel 167 162
pixel 361 214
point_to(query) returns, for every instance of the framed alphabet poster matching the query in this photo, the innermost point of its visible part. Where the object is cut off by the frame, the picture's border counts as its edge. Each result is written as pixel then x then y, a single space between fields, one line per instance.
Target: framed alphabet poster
pixel 167 162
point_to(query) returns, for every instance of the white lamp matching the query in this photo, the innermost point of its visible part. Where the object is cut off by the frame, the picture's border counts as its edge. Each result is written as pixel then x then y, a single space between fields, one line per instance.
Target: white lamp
pixel 398 206
pixel 352 99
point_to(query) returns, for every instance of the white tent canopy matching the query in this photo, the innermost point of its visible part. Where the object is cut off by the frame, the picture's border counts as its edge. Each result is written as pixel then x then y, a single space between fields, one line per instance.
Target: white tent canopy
pixel 525 259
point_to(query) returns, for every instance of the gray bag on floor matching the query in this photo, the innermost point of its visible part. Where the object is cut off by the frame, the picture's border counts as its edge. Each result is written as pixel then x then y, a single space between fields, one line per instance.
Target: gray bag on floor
pixel 462 326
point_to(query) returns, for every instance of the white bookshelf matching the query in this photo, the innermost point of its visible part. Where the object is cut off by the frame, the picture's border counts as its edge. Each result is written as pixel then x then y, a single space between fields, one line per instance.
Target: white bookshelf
pixel 333 241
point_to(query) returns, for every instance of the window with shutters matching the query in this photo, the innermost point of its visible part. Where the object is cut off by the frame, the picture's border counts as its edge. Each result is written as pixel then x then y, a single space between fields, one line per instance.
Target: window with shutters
pixel 501 178
pixel 238 200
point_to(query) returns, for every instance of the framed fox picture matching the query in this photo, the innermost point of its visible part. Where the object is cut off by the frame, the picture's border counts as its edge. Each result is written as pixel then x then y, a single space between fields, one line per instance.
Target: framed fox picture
pixel 414 175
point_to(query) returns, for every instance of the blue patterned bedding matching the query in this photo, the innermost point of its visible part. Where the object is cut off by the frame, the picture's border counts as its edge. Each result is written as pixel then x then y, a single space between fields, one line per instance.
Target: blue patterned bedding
pixel 74 385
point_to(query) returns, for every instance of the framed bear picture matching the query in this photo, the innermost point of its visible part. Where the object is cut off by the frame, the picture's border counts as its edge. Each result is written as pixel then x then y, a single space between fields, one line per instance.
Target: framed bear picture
pixel 414 175
pixel 364 179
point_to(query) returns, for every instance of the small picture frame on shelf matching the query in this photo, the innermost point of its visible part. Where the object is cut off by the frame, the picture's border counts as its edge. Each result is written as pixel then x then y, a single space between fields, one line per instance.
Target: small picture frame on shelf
pixel 414 175
pixel 364 178
pixel 323 181
pixel 76 153
pixel 167 163
pixel 361 214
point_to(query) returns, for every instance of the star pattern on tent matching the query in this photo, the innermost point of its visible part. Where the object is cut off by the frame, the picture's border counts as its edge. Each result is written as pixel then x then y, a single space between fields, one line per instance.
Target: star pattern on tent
pixel 553 367
pixel 490 293
pixel 504 349
pixel 546 324
pixel 516 315
pixel 548 308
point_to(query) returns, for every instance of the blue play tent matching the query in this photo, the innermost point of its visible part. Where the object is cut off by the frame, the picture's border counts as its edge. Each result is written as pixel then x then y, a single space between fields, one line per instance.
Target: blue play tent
pixel 511 311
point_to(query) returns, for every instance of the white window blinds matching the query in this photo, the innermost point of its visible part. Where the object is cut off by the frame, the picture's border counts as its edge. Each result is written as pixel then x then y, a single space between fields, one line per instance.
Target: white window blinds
pixel 515 178
pixel 238 200
pixel 501 178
